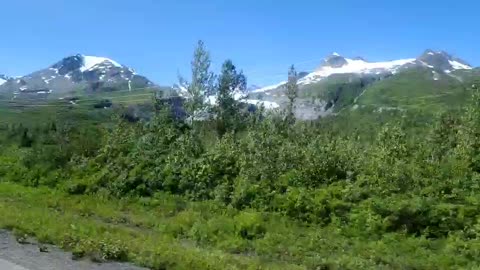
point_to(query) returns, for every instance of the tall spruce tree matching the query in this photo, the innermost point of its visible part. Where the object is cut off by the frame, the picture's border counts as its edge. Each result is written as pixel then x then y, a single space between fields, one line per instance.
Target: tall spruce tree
pixel 229 82
pixel 292 94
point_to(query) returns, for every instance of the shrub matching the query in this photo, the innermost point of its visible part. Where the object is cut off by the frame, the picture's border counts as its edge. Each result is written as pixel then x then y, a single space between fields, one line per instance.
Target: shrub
pixel 250 225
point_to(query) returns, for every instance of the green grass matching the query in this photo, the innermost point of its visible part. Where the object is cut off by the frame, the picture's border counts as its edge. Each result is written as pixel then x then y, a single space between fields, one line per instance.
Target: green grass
pixel 148 232
pixel 32 115
pixel 129 97
pixel 33 112
pixel 168 232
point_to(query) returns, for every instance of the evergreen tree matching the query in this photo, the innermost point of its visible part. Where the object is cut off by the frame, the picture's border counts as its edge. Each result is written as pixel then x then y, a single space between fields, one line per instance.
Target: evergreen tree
pixel 292 93
pixel 227 110
pixel 468 147
pixel 202 82
pixel 443 136
pixel 26 140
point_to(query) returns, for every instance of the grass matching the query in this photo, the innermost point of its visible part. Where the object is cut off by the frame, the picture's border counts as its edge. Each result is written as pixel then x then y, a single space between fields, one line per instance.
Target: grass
pixel 33 112
pixel 168 232
pixel 124 97
pixel 118 229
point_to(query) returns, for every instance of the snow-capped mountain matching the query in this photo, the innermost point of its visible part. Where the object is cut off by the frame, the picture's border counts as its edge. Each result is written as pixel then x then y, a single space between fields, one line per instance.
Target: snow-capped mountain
pixel 339 78
pixel 78 72
pixel 336 64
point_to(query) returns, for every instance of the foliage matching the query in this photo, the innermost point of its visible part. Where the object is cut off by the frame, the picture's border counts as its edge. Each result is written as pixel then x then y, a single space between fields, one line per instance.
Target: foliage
pixel 291 93
pixel 227 111
pixel 202 81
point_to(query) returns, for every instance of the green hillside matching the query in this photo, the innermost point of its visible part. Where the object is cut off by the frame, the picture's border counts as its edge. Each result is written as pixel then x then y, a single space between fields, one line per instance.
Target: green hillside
pixel 416 89
pixel 84 108
pixel 340 90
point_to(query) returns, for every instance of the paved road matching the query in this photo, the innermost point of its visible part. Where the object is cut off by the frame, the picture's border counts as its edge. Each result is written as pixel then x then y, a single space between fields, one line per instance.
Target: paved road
pixel 6 265
pixel 15 256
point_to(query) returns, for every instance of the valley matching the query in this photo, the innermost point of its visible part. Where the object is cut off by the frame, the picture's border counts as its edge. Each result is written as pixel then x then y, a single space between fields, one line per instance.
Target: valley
pixel 239 135
pixel 355 165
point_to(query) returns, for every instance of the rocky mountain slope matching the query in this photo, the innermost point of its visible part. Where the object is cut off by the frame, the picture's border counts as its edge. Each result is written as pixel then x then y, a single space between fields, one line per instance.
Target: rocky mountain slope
pixel 74 73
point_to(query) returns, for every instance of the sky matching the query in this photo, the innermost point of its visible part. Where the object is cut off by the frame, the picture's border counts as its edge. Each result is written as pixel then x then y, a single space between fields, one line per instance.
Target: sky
pixel 263 38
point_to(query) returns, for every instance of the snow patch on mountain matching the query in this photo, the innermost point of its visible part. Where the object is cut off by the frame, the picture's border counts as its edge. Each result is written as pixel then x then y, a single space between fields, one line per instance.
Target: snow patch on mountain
pixel 238 95
pixel 355 66
pixel 269 105
pixel 54 69
pixel 270 87
pixel 458 65
pixel 3 79
pixel 89 62
pixel 427 65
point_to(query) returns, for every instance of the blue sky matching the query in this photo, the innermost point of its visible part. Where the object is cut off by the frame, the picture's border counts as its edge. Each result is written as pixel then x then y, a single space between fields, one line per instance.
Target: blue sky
pixel 157 37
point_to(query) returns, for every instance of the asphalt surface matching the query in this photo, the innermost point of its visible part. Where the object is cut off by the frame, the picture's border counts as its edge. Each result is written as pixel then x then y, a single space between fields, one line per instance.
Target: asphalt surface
pixel 10 266
pixel 15 256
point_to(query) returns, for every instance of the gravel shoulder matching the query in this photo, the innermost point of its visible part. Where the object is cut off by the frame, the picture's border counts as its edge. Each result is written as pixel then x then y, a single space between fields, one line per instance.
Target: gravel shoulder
pixel 27 256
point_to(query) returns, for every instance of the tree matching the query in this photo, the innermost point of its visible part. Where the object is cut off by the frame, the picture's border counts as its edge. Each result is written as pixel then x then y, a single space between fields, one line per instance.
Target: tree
pixel 229 82
pixel 443 136
pixel 292 93
pixel 26 139
pixel 202 82
pixel 468 146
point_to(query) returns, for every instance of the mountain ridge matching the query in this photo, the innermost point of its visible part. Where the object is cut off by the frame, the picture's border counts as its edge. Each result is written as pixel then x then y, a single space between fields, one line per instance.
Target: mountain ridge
pixel 337 64
pixel 76 72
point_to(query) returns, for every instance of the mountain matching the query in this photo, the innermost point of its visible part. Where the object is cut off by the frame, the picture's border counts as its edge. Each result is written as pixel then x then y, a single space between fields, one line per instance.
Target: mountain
pixel 340 82
pixel 78 72
pixel 336 64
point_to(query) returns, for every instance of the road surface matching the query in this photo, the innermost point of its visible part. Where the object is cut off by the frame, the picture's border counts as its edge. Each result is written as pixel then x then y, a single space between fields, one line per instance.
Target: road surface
pixel 15 256
pixel 6 265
